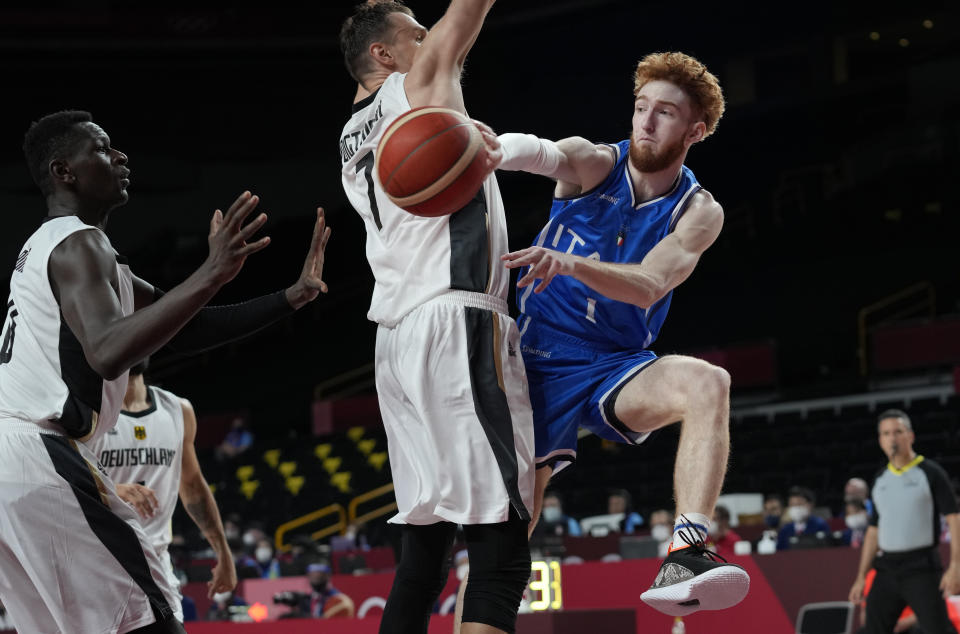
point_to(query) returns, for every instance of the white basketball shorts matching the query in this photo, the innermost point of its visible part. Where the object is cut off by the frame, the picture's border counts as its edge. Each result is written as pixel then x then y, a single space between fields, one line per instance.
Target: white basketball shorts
pixel 73 557
pixel 454 400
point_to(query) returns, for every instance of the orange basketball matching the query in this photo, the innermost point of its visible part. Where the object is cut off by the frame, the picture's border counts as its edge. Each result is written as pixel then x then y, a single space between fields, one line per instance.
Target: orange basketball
pixel 430 161
pixel 338 606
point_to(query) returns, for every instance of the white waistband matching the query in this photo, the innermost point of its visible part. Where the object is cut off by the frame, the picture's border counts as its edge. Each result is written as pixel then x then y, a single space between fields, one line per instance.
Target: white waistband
pixel 19 426
pixel 471 300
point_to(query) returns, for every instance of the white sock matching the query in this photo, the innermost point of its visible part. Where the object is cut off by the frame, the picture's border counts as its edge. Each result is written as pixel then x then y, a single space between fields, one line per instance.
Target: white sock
pixel 694 525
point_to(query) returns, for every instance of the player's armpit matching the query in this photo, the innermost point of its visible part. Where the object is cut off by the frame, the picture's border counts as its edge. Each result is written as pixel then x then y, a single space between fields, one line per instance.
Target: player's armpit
pixel 144 293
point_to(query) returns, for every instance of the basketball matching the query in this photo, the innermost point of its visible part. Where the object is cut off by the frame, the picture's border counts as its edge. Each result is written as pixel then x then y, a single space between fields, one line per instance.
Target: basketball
pixel 338 606
pixel 430 161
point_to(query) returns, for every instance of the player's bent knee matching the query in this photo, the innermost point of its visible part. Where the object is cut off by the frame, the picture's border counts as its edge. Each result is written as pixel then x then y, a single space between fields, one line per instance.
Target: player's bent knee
pixel 703 380
pixel 497 582
pixel 493 597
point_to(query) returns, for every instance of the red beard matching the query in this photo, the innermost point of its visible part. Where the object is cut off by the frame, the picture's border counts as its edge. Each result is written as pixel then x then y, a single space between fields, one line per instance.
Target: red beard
pixel 645 159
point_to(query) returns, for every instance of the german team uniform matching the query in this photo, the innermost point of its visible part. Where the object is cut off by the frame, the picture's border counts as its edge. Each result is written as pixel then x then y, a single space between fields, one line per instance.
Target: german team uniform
pixel 73 557
pixel 449 374
pixel 146 448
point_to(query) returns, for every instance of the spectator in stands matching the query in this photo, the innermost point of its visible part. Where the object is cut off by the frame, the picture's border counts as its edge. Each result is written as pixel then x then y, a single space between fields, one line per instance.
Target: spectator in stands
pixel 269 564
pixel 800 502
pixel 620 501
pixel 353 538
pixel 773 510
pixel 227 606
pixel 857 489
pixel 721 537
pixel 857 520
pixel 661 529
pixel 237 440
pixel 553 521
pixel 303 552
pixel 321 602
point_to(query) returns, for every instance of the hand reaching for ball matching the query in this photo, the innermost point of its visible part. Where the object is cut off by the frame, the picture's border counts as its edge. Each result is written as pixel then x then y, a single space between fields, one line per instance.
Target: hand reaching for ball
pixel 493 149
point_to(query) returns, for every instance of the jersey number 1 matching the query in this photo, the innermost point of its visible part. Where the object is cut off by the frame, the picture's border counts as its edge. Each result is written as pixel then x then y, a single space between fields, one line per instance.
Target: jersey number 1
pixel 6 350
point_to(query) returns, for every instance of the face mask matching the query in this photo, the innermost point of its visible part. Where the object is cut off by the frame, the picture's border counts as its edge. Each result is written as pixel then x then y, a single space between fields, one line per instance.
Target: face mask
pixel 263 555
pixel 856 522
pixel 798 513
pixel 462 571
pixel 249 539
pixel 350 534
pixel 320 586
pixel 231 533
pixel 221 597
pixel 551 514
pixel 660 532
pixel 714 528
pixel 772 521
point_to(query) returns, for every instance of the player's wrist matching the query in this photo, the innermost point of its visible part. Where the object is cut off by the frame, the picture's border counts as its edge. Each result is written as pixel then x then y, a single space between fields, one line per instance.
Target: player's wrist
pixel 298 295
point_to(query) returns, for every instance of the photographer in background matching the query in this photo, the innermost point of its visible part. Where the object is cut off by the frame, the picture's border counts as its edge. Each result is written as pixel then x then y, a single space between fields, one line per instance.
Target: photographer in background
pixel 322 602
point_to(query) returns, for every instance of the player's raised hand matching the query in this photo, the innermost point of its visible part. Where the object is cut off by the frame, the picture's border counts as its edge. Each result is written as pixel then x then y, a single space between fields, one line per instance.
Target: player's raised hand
pixel 141 498
pixel 310 283
pixel 224 577
pixel 545 264
pixel 228 238
pixel 493 149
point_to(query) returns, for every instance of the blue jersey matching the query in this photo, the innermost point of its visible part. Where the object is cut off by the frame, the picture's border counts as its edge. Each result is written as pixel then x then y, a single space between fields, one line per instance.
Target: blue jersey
pixel 606 224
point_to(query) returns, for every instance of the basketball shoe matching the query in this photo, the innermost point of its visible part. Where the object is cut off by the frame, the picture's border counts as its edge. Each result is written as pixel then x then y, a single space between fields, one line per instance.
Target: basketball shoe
pixel 693 578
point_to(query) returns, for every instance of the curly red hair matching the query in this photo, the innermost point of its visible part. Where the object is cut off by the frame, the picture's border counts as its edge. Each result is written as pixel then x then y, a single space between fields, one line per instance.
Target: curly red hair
pixel 691 76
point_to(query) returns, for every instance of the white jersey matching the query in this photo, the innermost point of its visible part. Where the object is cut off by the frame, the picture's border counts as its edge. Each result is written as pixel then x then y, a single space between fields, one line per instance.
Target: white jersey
pixel 44 375
pixel 146 448
pixel 415 259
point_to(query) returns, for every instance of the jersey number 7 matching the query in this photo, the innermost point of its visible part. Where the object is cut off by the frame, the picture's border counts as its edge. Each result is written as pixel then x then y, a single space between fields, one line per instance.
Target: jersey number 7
pixel 6 350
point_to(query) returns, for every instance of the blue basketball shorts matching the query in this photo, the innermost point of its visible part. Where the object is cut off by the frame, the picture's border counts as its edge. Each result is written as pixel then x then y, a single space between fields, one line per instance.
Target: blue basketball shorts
pixel 573 385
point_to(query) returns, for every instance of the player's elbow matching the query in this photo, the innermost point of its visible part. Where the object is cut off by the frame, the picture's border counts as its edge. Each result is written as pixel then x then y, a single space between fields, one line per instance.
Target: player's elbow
pixel 646 296
pixel 106 367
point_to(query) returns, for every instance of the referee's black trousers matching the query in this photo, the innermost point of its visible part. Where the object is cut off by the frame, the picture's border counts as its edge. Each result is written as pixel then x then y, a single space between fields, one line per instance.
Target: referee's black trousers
pixel 904 579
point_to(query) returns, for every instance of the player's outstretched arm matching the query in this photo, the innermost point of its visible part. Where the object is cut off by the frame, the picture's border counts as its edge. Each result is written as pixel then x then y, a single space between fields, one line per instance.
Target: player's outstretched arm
pixel 575 163
pixel 83 278
pixel 214 326
pixel 434 79
pixel 200 505
pixel 668 264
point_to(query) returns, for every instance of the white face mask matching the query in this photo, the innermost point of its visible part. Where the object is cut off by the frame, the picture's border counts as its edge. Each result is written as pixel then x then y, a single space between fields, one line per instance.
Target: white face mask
pixel 551 513
pixel 249 539
pixel 221 597
pixel 661 532
pixel 263 555
pixel 462 571
pixel 714 528
pixel 798 513
pixel 857 521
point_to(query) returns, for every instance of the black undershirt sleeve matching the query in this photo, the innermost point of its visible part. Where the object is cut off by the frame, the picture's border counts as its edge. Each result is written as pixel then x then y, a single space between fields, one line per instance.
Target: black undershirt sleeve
pixel 215 326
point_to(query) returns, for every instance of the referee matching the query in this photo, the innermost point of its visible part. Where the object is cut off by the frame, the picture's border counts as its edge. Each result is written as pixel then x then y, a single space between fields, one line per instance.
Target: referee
pixel 909 495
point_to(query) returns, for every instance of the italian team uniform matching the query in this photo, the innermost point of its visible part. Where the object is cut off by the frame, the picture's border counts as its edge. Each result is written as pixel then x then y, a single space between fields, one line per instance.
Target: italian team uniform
pixel 449 373
pixel 580 348
pixel 73 556
pixel 146 448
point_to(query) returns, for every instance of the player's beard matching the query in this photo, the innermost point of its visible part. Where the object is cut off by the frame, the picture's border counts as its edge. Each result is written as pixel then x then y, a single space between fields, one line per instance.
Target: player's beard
pixel 645 159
